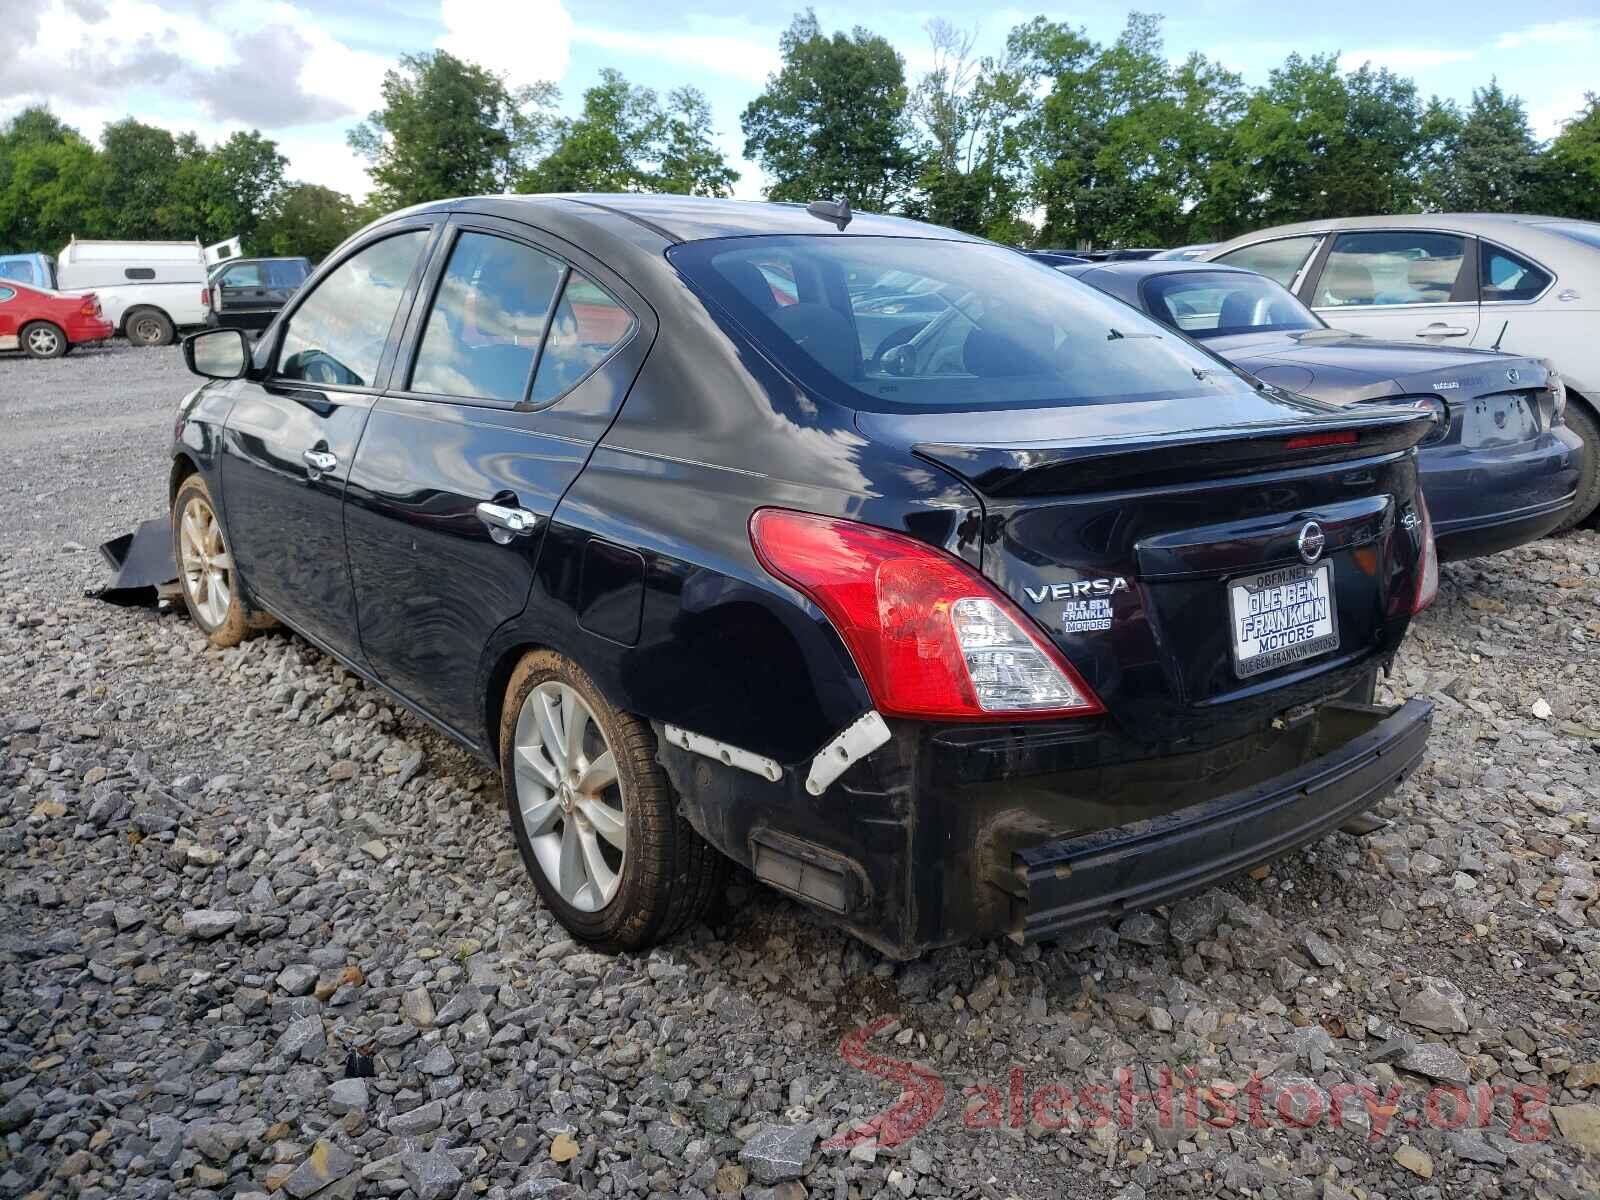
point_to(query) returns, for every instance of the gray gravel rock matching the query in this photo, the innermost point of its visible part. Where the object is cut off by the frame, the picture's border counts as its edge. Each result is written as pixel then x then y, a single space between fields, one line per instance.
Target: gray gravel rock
pixel 778 1152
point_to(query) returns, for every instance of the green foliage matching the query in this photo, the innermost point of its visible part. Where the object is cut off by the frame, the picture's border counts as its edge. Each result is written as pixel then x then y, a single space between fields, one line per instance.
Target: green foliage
pixel 1325 144
pixel 972 174
pixel 1570 183
pixel 625 141
pixel 1058 141
pixel 142 183
pixel 308 220
pixel 832 121
pixel 1485 161
pixel 450 128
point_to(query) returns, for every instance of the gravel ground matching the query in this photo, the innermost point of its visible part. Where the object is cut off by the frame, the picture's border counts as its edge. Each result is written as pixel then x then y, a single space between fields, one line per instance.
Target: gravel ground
pixel 262 934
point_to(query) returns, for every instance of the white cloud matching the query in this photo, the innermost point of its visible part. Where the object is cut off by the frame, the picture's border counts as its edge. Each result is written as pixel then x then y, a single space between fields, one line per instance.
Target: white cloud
pixel 1401 59
pixel 1559 33
pixel 527 42
pixel 740 56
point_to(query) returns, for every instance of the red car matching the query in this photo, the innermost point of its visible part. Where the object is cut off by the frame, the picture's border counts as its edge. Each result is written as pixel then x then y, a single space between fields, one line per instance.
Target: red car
pixel 48 324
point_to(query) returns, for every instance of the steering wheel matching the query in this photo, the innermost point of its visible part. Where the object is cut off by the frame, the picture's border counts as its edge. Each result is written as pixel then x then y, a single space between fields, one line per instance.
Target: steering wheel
pixel 896 355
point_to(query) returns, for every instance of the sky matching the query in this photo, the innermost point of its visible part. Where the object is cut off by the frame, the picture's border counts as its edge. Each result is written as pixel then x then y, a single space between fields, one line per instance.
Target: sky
pixel 304 73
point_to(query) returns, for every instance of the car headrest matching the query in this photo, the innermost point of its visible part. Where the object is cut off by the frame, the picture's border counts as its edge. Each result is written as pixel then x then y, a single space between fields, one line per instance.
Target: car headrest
pixel 750 283
pixel 822 333
pixel 1019 346
pixel 1238 311
pixel 1347 281
pixel 1433 278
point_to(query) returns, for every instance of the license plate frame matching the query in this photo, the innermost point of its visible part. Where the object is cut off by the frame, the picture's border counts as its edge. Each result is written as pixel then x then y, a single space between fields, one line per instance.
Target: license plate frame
pixel 1241 587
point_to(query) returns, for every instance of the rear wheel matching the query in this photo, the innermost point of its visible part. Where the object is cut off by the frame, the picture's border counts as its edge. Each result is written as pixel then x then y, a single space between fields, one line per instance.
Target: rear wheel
pixel 149 327
pixel 41 339
pixel 593 814
pixel 1581 419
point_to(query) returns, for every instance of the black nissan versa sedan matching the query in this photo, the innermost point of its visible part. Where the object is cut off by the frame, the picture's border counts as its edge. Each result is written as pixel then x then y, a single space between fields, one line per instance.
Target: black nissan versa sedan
pixel 991 622
pixel 1499 469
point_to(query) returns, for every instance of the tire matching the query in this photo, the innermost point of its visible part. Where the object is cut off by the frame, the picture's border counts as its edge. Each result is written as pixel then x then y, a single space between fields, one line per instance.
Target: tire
pixel 149 327
pixel 41 339
pixel 662 878
pixel 210 589
pixel 1582 421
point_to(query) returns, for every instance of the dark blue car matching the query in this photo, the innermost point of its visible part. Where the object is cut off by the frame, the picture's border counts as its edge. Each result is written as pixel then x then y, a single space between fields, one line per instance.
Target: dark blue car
pixel 1499 469
pixel 990 617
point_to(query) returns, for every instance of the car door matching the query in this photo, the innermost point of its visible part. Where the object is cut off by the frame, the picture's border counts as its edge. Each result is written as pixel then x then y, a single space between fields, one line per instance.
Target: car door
pixel 510 373
pixel 10 324
pixel 241 293
pixel 1404 285
pixel 290 437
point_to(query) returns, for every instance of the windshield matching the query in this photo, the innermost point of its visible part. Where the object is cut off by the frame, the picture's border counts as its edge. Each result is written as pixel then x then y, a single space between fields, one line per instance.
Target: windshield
pixel 894 323
pixel 1218 303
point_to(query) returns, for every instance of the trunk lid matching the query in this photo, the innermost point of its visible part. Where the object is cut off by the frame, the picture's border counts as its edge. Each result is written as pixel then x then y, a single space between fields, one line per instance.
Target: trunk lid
pixel 1200 575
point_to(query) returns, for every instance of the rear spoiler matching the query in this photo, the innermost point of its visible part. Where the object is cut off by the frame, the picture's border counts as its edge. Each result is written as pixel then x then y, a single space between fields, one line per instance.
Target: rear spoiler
pixel 1193 456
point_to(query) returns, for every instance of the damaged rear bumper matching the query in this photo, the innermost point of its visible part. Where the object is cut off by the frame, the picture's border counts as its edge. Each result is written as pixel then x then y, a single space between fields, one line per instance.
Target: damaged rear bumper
pixel 1059 885
pixel 943 834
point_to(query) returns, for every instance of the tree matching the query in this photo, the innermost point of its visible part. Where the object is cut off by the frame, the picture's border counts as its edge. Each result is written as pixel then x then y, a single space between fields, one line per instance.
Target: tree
pixel 307 220
pixel 49 184
pixel 971 174
pixel 1125 148
pixel 831 122
pixel 450 128
pixel 689 163
pixel 140 163
pixel 1570 186
pixel 1487 161
pixel 1322 144
pixel 609 147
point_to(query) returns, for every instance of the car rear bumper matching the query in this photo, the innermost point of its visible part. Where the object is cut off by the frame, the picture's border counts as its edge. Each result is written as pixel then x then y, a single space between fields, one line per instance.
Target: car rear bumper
pixel 942 835
pixel 88 329
pixel 1059 885
pixel 1485 501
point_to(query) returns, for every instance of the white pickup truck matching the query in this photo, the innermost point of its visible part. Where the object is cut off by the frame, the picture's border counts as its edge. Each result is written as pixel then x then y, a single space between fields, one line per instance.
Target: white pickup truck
pixel 148 290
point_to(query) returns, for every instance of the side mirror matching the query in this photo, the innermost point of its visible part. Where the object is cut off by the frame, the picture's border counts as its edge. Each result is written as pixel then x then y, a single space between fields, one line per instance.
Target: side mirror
pixel 217 353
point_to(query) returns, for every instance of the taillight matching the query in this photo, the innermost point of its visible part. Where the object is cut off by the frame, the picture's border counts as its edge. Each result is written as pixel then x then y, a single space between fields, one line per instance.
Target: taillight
pixel 931 637
pixel 205 297
pixel 1429 403
pixel 89 308
pixel 1428 566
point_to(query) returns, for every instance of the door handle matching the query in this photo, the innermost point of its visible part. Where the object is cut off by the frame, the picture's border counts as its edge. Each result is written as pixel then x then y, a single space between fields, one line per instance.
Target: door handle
pixel 506 522
pixel 1439 329
pixel 318 463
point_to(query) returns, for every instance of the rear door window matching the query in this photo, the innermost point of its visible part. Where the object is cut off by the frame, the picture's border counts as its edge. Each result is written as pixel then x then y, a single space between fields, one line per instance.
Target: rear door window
pixel 488 320
pixel 338 333
pixel 1506 276
pixel 1384 268
pixel 1279 260
pixel 588 325
pixel 290 273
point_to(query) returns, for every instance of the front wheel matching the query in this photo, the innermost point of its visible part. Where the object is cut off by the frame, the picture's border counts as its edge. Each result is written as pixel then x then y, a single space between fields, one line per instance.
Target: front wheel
pixel 43 340
pixel 1582 422
pixel 593 814
pixel 205 566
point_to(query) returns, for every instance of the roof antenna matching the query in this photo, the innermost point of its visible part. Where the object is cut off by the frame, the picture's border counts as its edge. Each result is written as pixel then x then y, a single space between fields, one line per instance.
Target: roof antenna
pixel 1500 335
pixel 837 211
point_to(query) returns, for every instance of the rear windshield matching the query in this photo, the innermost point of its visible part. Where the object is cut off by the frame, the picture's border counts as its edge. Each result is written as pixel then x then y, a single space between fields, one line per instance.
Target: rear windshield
pixel 1218 303
pixel 895 323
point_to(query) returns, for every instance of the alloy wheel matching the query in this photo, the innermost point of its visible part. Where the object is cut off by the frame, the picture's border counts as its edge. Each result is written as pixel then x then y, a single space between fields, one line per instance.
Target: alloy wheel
pixel 43 341
pixel 570 796
pixel 207 565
